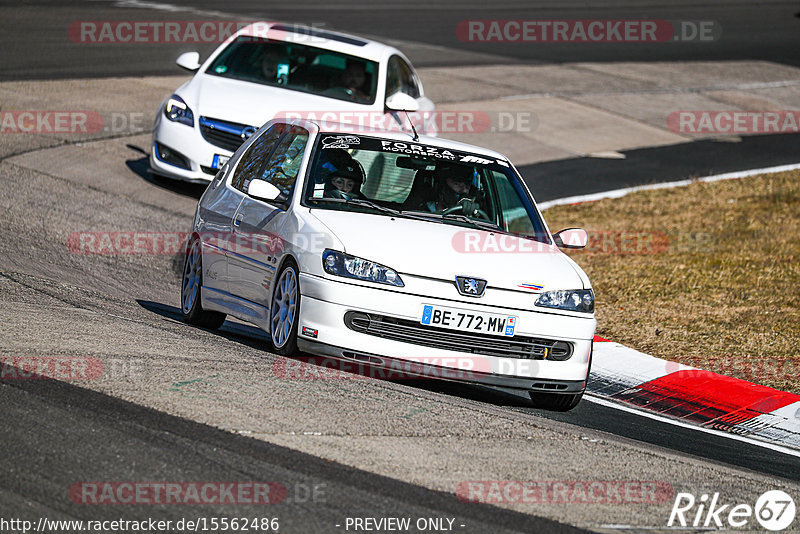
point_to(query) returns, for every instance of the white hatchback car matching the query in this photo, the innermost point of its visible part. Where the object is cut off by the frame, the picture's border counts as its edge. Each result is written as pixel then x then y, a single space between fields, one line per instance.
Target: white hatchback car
pixel 380 247
pixel 267 70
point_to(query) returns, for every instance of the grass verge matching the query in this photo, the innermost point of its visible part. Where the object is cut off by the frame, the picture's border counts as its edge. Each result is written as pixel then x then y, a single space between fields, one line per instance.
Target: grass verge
pixel 707 275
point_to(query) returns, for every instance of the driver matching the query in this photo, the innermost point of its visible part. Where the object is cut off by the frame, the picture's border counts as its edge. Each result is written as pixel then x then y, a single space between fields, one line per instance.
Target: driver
pixel 353 79
pixel 272 57
pixel 455 186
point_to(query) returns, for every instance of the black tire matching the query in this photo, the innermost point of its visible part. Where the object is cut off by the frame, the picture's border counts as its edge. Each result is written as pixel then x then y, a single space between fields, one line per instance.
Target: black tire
pixel 555 402
pixel 192 281
pixel 283 334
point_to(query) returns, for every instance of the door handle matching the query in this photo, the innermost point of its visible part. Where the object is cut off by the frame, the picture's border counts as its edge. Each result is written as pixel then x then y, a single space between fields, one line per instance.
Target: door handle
pixel 238 219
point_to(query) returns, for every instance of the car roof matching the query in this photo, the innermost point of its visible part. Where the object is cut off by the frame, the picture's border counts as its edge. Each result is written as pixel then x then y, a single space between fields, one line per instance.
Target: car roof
pixel 320 38
pixel 403 136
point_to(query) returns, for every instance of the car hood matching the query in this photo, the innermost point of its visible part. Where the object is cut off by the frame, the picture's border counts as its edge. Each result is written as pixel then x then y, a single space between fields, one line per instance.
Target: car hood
pixel 437 250
pixel 251 103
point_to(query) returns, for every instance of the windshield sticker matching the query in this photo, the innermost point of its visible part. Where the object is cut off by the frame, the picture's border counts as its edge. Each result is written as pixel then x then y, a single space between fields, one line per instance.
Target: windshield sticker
pixel 475 159
pixel 340 141
pixel 503 163
pixel 221 69
pixel 417 150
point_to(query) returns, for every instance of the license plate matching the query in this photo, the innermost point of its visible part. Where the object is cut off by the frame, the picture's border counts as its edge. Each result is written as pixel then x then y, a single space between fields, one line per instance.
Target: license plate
pixel 468 320
pixel 219 160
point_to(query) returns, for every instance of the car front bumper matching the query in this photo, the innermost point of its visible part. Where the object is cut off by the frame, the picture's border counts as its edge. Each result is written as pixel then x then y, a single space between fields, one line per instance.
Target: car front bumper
pixel 190 144
pixel 324 303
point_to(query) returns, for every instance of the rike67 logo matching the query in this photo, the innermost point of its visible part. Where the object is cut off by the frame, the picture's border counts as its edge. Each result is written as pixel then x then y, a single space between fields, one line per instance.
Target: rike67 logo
pixel 774 511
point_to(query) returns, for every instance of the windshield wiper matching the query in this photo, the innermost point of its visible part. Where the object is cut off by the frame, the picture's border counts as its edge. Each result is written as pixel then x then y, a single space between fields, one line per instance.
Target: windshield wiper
pixel 486 225
pixel 359 202
pixel 370 204
pixel 478 223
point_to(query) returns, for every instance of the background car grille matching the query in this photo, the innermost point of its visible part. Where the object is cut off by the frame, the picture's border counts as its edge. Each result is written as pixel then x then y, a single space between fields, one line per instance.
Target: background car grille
pixel 412 332
pixel 224 134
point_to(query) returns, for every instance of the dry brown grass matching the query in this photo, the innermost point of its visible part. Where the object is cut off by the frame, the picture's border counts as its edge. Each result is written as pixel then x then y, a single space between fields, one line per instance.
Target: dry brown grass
pixel 719 288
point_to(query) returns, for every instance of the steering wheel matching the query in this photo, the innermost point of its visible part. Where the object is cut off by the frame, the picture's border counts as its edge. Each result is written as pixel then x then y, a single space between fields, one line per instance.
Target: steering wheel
pixel 336 91
pixel 336 193
pixel 460 207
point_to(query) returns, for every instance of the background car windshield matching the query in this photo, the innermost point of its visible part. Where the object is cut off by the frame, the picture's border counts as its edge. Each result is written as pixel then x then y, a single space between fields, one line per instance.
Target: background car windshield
pixel 421 180
pixel 298 68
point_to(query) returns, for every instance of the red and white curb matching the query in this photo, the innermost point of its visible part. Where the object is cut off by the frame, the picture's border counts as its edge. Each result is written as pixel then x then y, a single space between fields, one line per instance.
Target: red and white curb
pixel 627 379
pixel 694 396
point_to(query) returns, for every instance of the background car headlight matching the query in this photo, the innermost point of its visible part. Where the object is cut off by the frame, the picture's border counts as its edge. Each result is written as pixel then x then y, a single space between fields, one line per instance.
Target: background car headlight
pixel 581 300
pixel 176 110
pixel 349 266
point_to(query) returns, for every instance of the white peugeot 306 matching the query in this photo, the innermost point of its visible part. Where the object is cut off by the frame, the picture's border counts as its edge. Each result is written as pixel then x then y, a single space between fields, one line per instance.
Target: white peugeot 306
pixel 268 70
pixel 379 247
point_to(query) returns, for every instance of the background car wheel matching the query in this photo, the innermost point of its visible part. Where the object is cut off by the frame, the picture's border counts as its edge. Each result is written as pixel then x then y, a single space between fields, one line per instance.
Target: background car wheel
pixel 555 402
pixel 285 310
pixel 192 310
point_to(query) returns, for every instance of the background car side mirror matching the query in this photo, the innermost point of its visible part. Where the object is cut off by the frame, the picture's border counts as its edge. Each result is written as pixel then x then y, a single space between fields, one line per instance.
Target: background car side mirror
pixel 189 61
pixel 571 238
pixel 263 190
pixel 401 102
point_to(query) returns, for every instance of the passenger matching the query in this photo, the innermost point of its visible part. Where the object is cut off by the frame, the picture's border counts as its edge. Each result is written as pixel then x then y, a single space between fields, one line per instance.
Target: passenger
pixel 342 174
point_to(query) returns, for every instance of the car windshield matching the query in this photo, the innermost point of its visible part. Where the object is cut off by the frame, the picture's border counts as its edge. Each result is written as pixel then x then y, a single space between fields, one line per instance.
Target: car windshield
pixel 368 174
pixel 298 68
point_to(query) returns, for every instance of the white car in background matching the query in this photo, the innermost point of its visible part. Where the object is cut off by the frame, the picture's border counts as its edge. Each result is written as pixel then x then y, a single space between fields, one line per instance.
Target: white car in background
pixel 265 70
pixel 378 247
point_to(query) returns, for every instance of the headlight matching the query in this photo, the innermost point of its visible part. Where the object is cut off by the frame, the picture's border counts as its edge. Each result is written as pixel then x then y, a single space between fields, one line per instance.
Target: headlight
pixel 176 110
pixel 581 300
pixel 349 266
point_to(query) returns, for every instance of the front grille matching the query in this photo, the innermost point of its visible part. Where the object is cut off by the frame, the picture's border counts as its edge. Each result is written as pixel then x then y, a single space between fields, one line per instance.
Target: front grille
pixel 208 170
pixel 529 348
pixel 224 134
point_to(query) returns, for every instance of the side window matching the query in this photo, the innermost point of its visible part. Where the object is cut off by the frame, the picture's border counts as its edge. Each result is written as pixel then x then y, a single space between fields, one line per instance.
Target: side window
pixel 284 163
pixel 400 77
pixel 253 160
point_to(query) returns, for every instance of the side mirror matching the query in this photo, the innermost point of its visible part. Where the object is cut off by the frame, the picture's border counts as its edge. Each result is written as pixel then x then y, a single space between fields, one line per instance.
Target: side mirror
pixel 189 61
pixel 263 190
pixel 401 102
pixel 571 238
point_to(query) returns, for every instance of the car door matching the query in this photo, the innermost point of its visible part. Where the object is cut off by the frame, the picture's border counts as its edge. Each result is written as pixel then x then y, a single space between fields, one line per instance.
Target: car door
pixel 258 225
pixel 236 190
pixel 215 212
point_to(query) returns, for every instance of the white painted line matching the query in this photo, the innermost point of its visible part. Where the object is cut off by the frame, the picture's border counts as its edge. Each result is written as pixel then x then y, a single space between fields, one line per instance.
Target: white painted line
pixel 618 193
pixel 764 444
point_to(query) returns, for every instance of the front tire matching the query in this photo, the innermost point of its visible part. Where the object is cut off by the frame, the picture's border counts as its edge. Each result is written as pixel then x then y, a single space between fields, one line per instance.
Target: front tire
pixel 555 402
pixel 285 310
pixel 192 310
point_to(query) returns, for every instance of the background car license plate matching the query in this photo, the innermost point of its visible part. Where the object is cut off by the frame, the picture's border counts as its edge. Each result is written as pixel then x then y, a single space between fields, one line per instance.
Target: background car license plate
pixel 219 160
pixel 468 320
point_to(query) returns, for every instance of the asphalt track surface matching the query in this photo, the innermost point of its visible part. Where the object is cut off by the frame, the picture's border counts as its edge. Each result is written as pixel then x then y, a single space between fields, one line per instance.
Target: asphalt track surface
pixel 34 45
pixel 52 430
